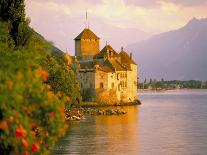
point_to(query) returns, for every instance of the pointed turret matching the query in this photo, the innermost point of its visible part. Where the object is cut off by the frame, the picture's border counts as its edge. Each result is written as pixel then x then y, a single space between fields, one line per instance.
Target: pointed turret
pixel 68 57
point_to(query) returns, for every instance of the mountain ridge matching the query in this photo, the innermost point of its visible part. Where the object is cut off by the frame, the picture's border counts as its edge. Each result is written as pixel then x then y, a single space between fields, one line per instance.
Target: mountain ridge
pixel 178 54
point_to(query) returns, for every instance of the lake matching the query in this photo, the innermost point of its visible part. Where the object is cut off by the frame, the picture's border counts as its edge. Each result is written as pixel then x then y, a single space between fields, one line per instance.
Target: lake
pixel 168 123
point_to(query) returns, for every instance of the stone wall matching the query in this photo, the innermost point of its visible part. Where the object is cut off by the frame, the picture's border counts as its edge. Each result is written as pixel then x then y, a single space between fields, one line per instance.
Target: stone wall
pixel 132 83
pixel 101 78
pixel 89 46
pixel 86 80
pixel 123 83
pixel 77 48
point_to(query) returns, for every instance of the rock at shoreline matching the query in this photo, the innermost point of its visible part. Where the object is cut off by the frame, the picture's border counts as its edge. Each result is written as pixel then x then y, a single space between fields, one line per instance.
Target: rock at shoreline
pixel 78 114
pixel 91 111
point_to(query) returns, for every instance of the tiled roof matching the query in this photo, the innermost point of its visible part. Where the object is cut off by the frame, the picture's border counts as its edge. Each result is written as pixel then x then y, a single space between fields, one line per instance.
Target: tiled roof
pixel 113 63
pixel 125 58
pixel 86 34
pixel 106 69
pixel 103 52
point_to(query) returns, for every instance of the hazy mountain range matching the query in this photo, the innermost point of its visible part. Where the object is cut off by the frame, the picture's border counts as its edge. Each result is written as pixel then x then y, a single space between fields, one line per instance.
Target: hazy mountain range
pixel 179 54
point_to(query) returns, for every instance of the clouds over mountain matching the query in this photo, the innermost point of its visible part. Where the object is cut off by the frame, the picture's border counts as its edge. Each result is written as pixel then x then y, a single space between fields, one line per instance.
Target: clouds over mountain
pixel 163 15
pixel 61 20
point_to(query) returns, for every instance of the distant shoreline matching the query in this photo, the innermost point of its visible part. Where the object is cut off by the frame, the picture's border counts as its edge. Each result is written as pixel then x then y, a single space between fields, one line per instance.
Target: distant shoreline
pixel 167 90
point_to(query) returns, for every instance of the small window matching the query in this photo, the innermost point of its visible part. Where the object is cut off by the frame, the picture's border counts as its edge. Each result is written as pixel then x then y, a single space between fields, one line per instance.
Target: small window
pixel 101 76
pixel 117 76
pixel 112 85
pixel 101 85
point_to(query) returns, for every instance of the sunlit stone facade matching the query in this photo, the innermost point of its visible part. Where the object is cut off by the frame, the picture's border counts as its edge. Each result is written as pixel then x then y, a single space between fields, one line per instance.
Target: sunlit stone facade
pixel 104 70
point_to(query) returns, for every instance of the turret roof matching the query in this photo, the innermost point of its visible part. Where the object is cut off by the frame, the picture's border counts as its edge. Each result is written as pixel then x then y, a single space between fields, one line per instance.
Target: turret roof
pixel 86 34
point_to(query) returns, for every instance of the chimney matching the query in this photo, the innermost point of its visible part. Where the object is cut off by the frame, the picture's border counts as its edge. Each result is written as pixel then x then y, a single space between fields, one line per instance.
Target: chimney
pixel 122 48
pixel 131 55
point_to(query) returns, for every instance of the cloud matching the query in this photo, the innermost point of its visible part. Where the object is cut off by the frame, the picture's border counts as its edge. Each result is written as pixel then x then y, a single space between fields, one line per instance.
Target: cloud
pixel 165 15
pixel 64 19
pixel 142 3
pixel 155 3
pixel 168 7
pixel 188 2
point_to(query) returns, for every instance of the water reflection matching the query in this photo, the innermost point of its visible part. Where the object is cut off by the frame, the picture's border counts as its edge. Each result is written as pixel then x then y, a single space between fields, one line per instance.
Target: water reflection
pixel 102 135
pixel 168 123
pixel 118 133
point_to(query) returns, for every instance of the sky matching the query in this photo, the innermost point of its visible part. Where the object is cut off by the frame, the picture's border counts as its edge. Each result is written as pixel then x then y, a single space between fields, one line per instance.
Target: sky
pixel 119 22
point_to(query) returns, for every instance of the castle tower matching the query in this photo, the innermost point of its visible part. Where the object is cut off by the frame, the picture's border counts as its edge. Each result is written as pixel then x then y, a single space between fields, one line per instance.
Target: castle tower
pixel 86 44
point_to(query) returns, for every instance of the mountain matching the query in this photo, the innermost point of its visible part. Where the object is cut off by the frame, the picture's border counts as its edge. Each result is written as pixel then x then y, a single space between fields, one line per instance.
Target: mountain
pixel 63 33
pixel 179 54
pixel 118 37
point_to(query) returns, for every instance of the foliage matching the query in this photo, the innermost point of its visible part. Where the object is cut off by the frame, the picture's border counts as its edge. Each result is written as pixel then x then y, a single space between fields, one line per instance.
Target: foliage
pixel 32 117
pixel 13 12
pixel 6 41
pixel 32 109
pixel 204 85
pixel 175 84
pixel 36 85
pixel 62 78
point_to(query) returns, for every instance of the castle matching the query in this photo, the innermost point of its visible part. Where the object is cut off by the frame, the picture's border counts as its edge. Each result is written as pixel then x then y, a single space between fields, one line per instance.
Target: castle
pixel 104 72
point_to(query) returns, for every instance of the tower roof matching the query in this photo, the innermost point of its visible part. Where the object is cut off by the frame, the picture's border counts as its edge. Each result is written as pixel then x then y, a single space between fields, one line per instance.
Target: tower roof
pixel 86 34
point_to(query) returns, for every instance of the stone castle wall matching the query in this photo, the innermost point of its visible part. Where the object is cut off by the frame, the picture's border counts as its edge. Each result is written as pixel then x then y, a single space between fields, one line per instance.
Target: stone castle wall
pixel 85 47
pixel 123 83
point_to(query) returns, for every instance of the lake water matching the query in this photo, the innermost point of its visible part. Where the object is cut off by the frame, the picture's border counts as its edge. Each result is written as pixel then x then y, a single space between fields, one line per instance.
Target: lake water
pixel 168 123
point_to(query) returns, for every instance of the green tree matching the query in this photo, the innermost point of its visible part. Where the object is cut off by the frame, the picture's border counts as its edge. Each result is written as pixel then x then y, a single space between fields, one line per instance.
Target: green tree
pixel 62 77
pixel 13 12
pixel 5 40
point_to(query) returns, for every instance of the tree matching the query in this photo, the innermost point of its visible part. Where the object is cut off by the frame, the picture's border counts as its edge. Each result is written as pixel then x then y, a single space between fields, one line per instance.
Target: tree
pixel 13 12
pixel 5 40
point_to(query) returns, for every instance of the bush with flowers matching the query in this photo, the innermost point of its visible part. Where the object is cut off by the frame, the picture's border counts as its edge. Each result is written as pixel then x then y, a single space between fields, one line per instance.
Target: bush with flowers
pixel 32 103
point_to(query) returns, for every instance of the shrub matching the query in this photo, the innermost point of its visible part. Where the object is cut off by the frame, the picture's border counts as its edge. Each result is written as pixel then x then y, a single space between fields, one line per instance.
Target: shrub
pixel 32 114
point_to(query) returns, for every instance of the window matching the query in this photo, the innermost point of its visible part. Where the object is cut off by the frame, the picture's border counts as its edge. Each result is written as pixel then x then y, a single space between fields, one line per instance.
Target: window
pixel 112 85
pixel 123 84
pixel 101 85
pixel 117 76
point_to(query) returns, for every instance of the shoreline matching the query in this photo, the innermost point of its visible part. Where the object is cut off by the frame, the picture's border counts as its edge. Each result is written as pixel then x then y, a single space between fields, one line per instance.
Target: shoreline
pixel 93 108
pixel 95 104
pixel 166 90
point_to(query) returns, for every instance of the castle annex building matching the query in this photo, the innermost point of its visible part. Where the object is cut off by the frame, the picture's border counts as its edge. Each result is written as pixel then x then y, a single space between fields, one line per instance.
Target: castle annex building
pixel 104 72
